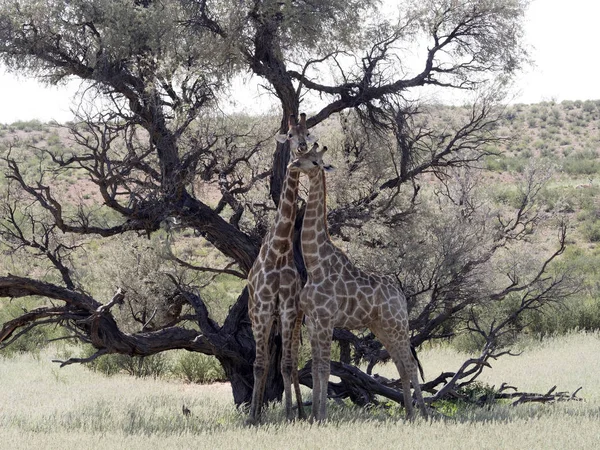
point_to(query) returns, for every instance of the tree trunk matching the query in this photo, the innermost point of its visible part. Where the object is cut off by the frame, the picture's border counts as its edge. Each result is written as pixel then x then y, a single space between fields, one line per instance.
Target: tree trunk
pixel 235 349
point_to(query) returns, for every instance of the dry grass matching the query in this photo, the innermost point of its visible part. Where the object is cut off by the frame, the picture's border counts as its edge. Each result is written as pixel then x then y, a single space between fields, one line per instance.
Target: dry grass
pixel 44 407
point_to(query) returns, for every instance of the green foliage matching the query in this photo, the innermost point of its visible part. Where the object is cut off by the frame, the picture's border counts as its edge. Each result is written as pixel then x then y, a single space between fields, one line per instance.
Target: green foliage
pixel 197 368
pixel 591 230
pixel 496 164
pixel 469 343
pixel 34 340
pixel 578 166
pixel 154 366
pixel 28 126
pixel 183 365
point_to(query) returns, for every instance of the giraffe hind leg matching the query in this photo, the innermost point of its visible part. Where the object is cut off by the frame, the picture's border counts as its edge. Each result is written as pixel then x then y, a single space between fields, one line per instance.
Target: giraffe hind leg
pixel 261 369
pixel 287 363
pixel 408 368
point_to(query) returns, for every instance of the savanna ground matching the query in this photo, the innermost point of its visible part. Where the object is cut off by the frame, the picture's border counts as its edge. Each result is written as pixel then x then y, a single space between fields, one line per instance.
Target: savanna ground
pixel 44 407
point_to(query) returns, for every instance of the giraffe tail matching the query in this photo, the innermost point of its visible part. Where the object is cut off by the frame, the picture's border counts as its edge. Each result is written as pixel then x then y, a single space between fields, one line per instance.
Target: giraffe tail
pixel 414 353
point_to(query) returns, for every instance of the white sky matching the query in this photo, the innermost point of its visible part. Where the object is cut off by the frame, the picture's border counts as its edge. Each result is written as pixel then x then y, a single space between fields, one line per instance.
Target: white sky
pixel 562 35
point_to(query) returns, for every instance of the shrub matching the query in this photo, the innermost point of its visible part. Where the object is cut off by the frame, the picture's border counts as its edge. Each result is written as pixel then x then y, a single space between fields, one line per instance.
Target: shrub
pixel 28 125
pixel 576 166
pixel 53 139
pixel 155 366
pixel 198 368
pixel 32 342
pixel 496 164
pixel 591 230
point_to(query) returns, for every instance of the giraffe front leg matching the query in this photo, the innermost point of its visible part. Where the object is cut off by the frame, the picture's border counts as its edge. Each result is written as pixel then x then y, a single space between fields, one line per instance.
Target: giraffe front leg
pixel 295 350
pixel 321 353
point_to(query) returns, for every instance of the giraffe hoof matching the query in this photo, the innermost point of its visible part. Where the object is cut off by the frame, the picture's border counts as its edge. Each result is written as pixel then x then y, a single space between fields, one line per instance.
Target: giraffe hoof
pixel 251 422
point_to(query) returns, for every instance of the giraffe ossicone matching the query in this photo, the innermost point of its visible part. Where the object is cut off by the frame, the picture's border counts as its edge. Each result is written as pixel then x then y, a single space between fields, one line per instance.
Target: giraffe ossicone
pixel 338 294
pixel 274 286
pixel 298 135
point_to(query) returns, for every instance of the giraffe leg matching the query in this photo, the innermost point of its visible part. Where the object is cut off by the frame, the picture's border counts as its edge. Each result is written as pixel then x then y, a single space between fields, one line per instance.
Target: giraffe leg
pixel 321 369
pixel 261 333
pixel 287 362
pixel 295 350
pixel 395 338
pixel 414 378
pixel 409 374
pixel 315 353
pixel 404 376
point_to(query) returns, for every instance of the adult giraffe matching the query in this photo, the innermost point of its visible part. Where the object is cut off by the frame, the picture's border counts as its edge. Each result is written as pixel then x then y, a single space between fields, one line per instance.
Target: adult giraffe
pixel 274 286
pixel 338 294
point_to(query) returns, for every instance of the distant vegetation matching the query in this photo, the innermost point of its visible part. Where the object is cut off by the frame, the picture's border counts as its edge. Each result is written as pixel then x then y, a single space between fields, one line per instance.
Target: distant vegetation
pixel 562 137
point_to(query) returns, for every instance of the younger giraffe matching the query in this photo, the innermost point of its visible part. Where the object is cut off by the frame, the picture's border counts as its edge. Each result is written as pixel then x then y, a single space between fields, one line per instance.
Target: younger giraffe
pixel 337 294
pixel 274 286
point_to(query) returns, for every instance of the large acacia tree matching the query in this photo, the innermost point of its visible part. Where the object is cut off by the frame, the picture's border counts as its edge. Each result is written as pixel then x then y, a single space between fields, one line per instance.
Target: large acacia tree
pixel 149 131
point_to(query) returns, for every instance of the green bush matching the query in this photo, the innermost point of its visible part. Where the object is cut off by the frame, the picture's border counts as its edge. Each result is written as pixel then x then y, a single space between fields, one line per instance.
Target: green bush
pixel 198 368
pixel 31 342
pixel 590 230
pixel 54 139
pixel 576 166
pixel 496 164
pixel 580 313
pixel 155 366
pixel 29 125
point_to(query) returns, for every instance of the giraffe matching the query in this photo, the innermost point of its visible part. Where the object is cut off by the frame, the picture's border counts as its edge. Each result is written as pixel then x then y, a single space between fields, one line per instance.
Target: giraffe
pixel 274 286
pixel 338 294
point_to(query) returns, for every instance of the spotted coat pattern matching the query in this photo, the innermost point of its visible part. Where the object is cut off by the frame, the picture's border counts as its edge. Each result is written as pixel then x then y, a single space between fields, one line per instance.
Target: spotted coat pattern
pixel 338 294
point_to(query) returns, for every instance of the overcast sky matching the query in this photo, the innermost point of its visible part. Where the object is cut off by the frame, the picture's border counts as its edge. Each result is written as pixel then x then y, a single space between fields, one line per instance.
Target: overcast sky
pixel 562 35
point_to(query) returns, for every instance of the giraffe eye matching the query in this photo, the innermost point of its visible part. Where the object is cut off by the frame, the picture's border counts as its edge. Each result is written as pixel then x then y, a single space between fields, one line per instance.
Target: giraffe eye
pixel 315 163
pixel 290 135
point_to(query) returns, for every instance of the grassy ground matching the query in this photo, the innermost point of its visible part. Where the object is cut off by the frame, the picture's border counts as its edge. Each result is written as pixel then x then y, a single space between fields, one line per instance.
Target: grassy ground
pixel 44 407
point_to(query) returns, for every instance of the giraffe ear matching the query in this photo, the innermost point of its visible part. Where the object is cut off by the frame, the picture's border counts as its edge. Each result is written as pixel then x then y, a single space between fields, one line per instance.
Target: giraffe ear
pixel 311 138
pixel 281 138
pixel 303 120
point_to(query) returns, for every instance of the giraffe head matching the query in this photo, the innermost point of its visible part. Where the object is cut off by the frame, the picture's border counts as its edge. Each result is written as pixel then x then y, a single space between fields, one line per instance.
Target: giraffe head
pixel 298 135
pixel 311 162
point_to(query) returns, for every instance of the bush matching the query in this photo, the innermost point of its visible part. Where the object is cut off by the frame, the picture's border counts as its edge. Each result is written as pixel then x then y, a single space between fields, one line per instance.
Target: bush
pixel 198 368
pixel 155 366
pixel 496 164
pixel 576 166
pixel 582 313
pixel 28 125
pixel 35 339
pixel 31 342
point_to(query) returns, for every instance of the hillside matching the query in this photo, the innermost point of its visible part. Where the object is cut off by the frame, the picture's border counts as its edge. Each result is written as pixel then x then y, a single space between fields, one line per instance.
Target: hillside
pixel 564 138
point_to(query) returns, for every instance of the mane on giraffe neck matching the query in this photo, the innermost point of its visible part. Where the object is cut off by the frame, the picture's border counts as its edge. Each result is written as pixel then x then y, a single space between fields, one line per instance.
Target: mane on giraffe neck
pixel 315 234
pixel 324 202
pixel 287 207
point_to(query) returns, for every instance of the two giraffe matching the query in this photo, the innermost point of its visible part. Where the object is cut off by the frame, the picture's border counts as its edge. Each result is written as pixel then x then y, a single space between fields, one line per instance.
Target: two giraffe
pixel 337 294
pixel 274 285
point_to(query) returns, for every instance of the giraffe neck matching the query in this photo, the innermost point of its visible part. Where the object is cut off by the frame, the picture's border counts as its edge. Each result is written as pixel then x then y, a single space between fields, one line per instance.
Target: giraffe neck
pixel 283 229
pixel 314 226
